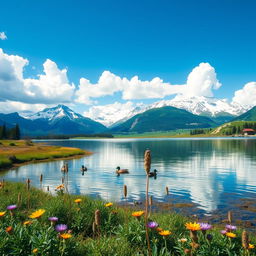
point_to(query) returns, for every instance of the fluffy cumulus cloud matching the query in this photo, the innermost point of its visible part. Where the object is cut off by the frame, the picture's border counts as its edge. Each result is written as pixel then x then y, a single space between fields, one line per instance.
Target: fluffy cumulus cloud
pixel 3 36
pixel 50 88
pixel 246 96
pixel 200 82
pixel 111 113
pixel 15 106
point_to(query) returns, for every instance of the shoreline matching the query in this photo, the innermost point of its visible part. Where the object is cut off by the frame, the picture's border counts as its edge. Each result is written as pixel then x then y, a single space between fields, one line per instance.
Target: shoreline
pixel 19 154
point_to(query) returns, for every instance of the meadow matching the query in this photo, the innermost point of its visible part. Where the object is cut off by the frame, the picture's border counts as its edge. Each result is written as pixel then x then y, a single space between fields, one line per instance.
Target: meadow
pixel 34 222
pixel 13 152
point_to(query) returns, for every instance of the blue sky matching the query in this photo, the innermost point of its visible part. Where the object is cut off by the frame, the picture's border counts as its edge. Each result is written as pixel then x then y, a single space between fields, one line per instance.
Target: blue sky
pixel 148 39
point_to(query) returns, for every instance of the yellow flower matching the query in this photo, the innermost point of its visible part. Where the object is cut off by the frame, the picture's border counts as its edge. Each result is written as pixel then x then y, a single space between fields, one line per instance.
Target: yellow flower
pixel 27 222
pixel 164 233
pixel 78 200
pixel 65 235
pixel 35 250
pixel 8 229
pixel 230 234
pixel 251 246
pixel 108 204
pixel 137 214
pixel 2 214
pixel 37 214
pixel 193 226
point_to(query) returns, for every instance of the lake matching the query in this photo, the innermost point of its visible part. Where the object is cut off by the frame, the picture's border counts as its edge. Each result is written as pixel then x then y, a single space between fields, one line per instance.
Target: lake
pixel 211 173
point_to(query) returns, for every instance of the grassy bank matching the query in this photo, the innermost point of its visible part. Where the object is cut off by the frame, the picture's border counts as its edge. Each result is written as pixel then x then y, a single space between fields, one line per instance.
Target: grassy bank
pixel 13 152
pixel 97 228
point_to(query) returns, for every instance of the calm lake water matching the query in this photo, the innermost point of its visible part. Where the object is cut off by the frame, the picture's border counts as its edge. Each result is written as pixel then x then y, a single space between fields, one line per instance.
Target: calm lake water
pixel 212 173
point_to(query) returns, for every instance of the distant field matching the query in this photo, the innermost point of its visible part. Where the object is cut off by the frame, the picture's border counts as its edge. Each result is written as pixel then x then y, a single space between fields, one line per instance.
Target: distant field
pixel 15 152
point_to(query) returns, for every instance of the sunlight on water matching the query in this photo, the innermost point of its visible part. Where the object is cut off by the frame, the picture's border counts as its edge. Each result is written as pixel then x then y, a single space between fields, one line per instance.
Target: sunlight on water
pixel 202 171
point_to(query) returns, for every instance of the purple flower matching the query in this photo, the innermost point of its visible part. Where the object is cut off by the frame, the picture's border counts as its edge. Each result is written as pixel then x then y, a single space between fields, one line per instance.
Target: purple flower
pixel 61 227
pixel 209 237
pixel 223 232
pixel 53 219
pixel 11 207
pixel 152 224
pixel 230 227
pixel 205 226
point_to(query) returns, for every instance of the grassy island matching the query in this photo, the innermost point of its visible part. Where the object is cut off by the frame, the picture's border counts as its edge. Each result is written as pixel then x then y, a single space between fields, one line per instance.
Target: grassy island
pixel 15 152
pixel 34 222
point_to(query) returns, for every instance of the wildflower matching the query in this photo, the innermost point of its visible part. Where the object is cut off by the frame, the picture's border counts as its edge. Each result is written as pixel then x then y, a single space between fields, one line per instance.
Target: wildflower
pixel 60 187
pixel 66 236
pixel 159 229
pixel 230 234
pixel 78 200
pixel 108 204
pixel 152 224
pixel 53 219
pixel 37 214
pixel 8 229
pixel 35 250
pixel 61 228
pixel 209 237
pixel 183 240
pixel 11 207
pixel 223 232
pixel 230 227
pixel 251 246
pixel 164 233
pixel 193 226
pixel 138 214
pixel 2 214
pixel 205 226
pixel 27 222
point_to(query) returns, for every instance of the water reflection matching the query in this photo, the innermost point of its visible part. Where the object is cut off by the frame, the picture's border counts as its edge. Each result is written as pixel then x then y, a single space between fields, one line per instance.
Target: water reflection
pixel 201 170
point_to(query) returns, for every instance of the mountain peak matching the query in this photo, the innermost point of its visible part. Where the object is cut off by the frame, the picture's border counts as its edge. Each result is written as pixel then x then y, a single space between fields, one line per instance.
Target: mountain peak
pixel 55 113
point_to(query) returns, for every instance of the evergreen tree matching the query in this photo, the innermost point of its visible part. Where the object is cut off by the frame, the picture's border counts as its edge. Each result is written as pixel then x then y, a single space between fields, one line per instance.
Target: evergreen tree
pixel 17 132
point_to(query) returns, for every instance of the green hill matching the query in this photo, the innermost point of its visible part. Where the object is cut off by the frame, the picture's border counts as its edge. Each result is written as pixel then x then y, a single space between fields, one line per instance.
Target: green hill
pixel 163 119
pixel 250 115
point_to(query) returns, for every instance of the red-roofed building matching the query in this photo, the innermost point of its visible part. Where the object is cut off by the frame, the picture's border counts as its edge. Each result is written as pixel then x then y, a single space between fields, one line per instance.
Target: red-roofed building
pixel 248 131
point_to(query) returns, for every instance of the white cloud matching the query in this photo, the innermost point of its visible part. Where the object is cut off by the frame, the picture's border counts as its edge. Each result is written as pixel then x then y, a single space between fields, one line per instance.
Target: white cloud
pixel 3 36
pixel 246 96
pixel 14 106
pixel 111 113
pixel 201 81
pixel 51 87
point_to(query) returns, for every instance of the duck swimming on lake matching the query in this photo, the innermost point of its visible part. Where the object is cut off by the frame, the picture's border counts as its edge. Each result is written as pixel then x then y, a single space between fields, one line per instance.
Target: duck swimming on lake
pixel 153 174
pixel 121 171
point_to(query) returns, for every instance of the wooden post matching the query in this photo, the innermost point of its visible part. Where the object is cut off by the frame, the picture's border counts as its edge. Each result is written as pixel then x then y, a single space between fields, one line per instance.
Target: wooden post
pixel 167 190
pixel 41 178
pixel 28 184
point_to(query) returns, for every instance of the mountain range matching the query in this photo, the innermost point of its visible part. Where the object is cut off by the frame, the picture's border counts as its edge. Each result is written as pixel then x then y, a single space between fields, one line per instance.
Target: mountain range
pixel 220 110
pixel 178 113
pixel 56 120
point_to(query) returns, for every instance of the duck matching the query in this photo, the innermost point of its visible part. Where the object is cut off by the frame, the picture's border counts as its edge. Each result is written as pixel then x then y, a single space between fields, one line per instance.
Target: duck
pixel 121 171
pixel 153 174
pixel 83 169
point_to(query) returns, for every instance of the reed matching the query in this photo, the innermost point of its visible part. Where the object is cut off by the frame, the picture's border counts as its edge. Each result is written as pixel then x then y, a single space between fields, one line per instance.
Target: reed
pixel 147 165
pixel 125 191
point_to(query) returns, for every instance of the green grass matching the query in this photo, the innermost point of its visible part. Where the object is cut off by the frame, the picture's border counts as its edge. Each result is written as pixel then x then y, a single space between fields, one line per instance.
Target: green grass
pixel 119 233
pixel 24 151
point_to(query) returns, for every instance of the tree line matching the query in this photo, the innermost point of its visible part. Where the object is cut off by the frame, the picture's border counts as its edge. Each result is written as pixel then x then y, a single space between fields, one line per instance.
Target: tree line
pixel 9 133
pixel 237 128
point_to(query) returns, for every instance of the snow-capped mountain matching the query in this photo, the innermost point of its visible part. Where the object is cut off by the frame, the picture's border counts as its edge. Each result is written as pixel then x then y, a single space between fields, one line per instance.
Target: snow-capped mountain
pixel 56 120
pixel 55 113
pixel 198 105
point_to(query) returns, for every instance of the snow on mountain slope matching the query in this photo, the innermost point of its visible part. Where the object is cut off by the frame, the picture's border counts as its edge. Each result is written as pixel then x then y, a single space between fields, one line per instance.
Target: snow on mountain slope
pixel 51 114
pixel 114 114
